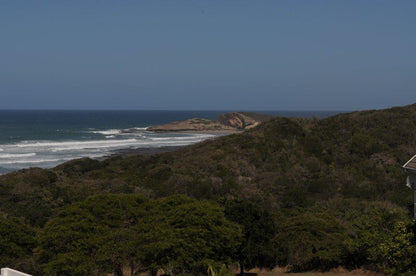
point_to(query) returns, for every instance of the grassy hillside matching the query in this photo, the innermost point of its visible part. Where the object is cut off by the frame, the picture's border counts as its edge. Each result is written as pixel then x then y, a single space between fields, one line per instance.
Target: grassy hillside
pixel 283 163
pixel 287 166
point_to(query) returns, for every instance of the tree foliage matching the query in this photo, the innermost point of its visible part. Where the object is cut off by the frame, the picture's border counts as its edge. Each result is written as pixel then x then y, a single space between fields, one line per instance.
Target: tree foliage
pixel 256 249
pixel 105 233
pixel 17 242
pixel 310 240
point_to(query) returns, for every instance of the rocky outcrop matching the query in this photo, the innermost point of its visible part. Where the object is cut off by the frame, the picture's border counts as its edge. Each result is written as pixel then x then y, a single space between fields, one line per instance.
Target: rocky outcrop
pixel 227 122
pixel 237 120
pixel 195 124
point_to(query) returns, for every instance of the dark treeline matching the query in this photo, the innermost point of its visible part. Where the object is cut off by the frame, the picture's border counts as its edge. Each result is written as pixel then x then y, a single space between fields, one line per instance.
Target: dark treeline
pixel 308 194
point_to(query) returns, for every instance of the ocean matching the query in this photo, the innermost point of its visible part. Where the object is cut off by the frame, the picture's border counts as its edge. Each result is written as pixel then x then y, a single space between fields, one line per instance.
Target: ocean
pixel 46 138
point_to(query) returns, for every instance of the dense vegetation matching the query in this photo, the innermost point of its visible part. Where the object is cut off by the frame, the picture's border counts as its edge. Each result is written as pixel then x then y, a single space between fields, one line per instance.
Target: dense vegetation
pixel 311 194
pixel 105 233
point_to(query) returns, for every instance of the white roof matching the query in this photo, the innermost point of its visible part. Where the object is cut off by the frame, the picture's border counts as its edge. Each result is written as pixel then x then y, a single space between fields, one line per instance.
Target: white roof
pixel 11 272
pixel 411 164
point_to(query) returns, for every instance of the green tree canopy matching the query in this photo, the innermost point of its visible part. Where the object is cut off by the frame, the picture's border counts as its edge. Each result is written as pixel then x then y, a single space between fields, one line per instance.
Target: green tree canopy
pixel 258 227
pixel 108 232
pixel 202 235
pixel 310 240
pixel 17 241
pixel 91 236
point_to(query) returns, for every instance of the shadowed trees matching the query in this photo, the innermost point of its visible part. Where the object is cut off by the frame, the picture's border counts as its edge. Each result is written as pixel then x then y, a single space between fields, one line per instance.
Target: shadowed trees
pixel 17 241
pixel 256 249
pixel 105 233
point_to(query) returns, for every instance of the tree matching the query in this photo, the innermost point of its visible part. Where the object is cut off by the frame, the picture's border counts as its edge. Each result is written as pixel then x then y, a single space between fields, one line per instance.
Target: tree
pixel 17 241
pixel 78 240
pixel 395 254
pixel 200 235
pixel 380 235
pixel 310 241
pixel 68 243
pixel 106 233
pixel 258 227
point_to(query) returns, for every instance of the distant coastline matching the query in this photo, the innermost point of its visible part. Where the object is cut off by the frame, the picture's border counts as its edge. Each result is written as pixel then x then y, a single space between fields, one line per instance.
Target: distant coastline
pixel 46 138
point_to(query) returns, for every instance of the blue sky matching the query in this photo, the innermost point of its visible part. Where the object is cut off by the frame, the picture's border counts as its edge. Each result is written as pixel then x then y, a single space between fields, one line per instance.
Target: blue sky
pixel 227 55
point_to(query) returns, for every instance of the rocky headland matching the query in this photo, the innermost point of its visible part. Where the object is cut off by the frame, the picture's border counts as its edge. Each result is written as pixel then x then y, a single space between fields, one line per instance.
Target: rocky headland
pixel 225 123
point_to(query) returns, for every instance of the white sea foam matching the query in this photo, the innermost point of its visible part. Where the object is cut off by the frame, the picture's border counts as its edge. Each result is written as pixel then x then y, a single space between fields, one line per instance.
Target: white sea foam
pixel 30 148
pixel 46 159
pixel 73 144
pixel 35 161
pixel 118 131
pixel 107 132
pixel 16 155
pixel 46 153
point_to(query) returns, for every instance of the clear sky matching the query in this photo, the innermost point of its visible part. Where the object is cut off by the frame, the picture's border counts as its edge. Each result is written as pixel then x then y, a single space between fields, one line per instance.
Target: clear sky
pixel 227 55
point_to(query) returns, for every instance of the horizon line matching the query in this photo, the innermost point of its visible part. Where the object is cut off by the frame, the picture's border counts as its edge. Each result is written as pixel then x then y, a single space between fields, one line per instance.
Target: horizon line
pixel 227 110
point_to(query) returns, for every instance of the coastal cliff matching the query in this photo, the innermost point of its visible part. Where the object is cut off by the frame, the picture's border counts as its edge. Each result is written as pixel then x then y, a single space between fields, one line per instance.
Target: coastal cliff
pixel 227 122
pixel 237 120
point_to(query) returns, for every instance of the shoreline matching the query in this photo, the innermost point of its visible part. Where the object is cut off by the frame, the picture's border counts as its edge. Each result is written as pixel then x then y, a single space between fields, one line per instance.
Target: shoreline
pixel 130 151
pixel 164 149
pixel 215 132
pixel 119 152
pixel 142 151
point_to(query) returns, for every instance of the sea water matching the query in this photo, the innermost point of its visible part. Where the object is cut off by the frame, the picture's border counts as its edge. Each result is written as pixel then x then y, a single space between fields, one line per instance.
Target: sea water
pixel 35 138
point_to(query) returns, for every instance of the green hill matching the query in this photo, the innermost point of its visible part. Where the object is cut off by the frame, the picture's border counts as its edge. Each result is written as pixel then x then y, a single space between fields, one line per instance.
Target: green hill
pixel 339 166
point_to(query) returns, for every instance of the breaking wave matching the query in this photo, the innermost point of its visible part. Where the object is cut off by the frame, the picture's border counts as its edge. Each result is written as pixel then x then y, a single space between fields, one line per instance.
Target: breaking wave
pixel 17 155
pixel 49 153
pixel 106 132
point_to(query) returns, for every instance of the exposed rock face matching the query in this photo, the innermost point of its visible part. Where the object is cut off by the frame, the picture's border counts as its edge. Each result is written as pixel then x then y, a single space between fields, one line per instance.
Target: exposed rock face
pixel 228 122
pixel 195 124
pixel 237 120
